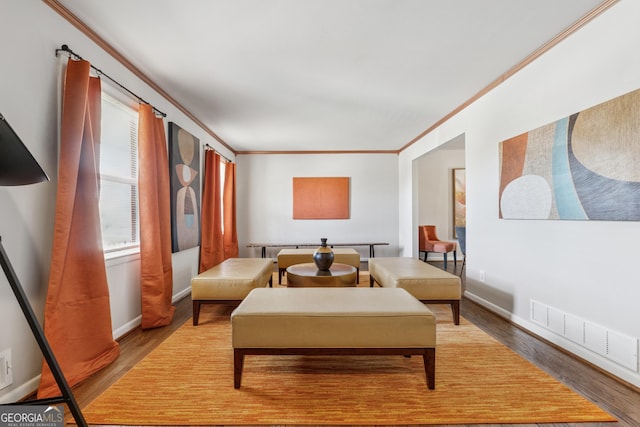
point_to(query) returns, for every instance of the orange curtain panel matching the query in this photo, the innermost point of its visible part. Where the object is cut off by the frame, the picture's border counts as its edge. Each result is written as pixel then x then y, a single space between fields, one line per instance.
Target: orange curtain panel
pixel 211 242
pixel 77 317
pixel 156 271
pixel 229 197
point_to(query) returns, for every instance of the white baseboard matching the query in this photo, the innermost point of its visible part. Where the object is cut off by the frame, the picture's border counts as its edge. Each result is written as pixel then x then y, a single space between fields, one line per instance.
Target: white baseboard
pixel 490 306
pixel 183 293
pixel 21 391
pixel 134 323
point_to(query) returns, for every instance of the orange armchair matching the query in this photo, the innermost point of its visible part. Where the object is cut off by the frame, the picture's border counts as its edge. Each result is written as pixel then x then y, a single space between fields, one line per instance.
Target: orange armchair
pixel 428 242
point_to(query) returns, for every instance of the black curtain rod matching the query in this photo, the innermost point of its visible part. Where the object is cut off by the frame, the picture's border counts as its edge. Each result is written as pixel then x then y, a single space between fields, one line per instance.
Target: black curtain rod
pixel 65 48
pixel 209 147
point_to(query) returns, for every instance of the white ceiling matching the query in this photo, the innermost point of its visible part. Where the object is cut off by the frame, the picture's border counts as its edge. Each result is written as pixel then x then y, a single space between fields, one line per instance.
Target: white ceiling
pixel 300 75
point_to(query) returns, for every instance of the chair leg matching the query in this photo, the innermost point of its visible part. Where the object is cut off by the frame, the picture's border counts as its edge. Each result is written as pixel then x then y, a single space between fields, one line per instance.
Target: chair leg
pixel 455 261
pixel 445 261
pixel 425 256
pixel 463 263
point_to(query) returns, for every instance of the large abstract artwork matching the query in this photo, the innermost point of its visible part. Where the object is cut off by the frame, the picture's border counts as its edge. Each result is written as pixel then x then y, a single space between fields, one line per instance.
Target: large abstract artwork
pixel 184 161
pixel 321 198
pixel 582 167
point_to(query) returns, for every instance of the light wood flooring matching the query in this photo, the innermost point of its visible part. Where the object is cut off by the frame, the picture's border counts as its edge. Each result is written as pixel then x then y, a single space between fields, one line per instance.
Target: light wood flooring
pixel 620 400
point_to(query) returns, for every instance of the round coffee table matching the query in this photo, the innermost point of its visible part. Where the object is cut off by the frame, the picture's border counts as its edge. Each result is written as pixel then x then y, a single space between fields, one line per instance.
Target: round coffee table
pixel 308 275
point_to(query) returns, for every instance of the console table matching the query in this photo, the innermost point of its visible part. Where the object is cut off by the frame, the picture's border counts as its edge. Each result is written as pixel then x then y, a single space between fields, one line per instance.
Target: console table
pixel 264 246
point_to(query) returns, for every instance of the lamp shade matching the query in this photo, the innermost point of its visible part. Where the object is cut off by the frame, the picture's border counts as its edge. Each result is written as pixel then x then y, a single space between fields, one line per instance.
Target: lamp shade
pixel 17 165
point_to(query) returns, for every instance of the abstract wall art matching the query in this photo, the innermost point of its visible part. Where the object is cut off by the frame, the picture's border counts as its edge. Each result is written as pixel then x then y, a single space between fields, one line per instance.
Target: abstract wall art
pixel 321 198
pixel 459 199
pixel 184 162
pixel 581 167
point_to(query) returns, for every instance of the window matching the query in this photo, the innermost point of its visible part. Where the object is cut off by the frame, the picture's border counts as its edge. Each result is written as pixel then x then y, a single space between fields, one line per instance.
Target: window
pixel 119 176
pixel 223 165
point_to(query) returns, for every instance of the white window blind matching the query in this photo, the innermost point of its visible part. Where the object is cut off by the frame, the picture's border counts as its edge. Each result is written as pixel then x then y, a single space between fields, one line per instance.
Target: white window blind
pixel 119 176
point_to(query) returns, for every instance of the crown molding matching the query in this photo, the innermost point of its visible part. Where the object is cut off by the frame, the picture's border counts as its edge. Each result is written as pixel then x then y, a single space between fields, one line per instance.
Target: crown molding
pixel 529 59
pixel 320 152
pixel 87 31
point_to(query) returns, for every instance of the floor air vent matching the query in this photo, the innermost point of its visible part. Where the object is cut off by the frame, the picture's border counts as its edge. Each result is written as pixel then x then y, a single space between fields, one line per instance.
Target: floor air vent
pixel 619 348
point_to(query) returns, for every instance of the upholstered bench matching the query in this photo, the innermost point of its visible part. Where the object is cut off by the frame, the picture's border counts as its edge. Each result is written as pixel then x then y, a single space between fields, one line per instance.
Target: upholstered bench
pixel 229 281
pixel 333 321
pixel 289 257
pixel 427 283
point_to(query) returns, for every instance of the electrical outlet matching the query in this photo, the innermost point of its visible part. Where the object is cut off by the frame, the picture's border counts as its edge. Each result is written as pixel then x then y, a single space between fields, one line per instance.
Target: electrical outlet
pixel 482 275
pixel 6 369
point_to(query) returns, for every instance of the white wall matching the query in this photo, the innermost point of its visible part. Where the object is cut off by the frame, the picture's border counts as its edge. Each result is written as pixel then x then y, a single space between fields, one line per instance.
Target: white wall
pixel 585 269
pixel 265 202
pixel 29 101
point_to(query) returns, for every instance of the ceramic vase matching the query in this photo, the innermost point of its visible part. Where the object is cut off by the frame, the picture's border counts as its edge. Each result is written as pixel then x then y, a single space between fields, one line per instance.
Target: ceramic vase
pixel 323 256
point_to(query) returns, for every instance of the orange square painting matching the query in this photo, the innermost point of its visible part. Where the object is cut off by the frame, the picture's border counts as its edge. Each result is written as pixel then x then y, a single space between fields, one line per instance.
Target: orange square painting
pixel 321 198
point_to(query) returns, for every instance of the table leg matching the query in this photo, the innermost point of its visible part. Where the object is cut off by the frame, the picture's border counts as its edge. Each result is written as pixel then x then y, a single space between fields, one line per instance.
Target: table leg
pixel 238 363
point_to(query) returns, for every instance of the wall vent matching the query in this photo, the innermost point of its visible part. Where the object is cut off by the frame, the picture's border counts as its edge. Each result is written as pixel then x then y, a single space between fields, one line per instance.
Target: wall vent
pixel 619 348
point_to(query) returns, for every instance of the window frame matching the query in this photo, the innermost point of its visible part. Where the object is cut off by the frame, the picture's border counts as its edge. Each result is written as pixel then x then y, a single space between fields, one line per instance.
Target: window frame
pixel 116 97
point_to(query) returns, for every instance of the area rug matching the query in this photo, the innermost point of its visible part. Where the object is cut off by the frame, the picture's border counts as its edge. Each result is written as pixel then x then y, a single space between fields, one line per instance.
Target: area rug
pixel 188 380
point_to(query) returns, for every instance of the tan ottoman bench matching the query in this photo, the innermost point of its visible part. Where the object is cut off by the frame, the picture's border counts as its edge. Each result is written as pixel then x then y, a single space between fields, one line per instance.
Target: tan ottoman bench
pixel 289 257
pixel 231 280
pixel 333 321
pixel 427 283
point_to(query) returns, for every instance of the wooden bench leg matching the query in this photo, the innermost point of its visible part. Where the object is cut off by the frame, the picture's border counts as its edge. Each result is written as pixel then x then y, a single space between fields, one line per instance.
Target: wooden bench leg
pixel 428 357
pixel 196 312
pixel 455 309
pixel 238 364
pixel 430 367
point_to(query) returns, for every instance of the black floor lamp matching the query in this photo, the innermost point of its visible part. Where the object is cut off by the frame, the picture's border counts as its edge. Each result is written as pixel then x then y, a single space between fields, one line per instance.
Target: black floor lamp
pixel 18 167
